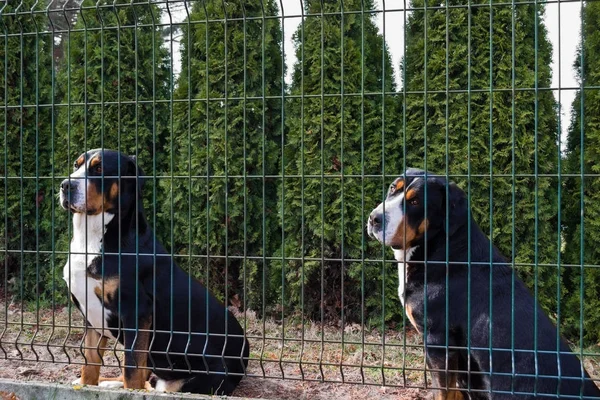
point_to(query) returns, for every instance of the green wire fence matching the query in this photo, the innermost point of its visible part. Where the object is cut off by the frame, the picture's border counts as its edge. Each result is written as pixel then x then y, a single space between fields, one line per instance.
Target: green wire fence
pixel 269 130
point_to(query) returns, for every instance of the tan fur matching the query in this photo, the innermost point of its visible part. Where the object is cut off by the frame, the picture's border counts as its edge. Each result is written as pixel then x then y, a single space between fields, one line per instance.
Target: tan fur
pixel 97 202
pixel 410 194
pixel 138 377
pixel 94 162
pixel 444 380
pixel 408 310
pixel 113 193
pixel 80 161
pixel 95 345
pixel 110 290
pixel 399 184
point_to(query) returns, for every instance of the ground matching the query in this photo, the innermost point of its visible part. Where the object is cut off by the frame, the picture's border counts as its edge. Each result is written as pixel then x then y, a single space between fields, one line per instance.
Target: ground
pixel 45 345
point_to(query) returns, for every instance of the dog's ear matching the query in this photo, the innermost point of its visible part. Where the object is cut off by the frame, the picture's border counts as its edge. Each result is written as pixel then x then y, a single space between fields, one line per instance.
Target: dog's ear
pixel 457 207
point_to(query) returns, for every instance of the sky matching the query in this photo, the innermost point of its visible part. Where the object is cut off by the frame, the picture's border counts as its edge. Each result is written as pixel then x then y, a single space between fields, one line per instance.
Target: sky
pixel 562 21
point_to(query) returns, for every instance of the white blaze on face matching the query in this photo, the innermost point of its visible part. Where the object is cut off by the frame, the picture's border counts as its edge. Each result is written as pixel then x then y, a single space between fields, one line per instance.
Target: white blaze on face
pixel 393 214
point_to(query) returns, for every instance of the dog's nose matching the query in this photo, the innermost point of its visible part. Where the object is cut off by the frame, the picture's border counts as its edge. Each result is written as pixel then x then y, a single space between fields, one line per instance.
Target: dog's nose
pixel 376 219
pixel 65 186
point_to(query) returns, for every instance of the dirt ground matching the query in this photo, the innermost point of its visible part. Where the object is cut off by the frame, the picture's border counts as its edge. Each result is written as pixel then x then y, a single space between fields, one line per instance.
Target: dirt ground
pixel 46 345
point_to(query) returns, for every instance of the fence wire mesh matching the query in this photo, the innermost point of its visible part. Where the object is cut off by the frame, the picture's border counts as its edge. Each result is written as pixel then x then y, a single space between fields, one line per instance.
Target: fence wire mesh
pixel 263 134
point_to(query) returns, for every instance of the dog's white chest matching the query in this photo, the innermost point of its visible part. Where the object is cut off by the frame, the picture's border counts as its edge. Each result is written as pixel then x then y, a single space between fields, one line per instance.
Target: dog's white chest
pixel 402 256
pixel 83 249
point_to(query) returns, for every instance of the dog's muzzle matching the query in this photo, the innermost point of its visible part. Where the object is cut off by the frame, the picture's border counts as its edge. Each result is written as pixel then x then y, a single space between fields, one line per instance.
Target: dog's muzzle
pixel 68 188
pixel 375 223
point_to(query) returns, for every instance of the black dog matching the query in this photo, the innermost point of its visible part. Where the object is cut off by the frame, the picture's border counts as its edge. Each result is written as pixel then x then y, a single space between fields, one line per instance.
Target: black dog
pixel 129 288
pixel 491 348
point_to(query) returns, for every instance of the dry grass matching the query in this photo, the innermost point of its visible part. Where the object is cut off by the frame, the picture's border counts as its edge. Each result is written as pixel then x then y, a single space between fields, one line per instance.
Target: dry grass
pixel 47 345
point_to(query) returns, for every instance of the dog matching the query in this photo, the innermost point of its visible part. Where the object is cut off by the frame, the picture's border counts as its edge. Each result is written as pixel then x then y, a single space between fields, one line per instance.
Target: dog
pixel 476 346
pixel 128 288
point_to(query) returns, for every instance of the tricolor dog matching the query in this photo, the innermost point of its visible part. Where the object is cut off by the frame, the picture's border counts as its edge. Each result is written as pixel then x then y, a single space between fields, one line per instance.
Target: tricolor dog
pixel 129 288
pixel 484 338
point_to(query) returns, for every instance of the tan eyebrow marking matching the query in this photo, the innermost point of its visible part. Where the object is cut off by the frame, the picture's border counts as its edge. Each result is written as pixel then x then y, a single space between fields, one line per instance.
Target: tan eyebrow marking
pixel 80 160
pixel 400 184
pixel 410 194
pixel 95 161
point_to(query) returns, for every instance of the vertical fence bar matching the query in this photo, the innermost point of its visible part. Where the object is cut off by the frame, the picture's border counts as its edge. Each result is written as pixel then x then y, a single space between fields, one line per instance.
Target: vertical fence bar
pixel 37 178
pixel 513 193
pixel 21 172
pixel 491 191
pixel 404 102
pixel 342 209
pixel 226 122
pixel 172 205
pixel 447 194
pixel 536 192
pixel 5 129
pixel 581 186
pixel 469 114
pixel 244 171
pixel 154 170
pixel 383 280
pixel 303 183
pixel 559 205
pixel 322 180
pixel 425 94
pixel 53 177
pixel 362 166
pixel 282 175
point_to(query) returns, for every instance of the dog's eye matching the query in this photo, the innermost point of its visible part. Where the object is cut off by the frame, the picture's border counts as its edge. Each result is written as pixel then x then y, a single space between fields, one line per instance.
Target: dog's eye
pixel 98 169
pixel 414 202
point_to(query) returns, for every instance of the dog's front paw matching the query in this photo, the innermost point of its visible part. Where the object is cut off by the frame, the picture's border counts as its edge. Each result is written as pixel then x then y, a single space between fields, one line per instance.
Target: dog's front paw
pixel 111 384
pixel 76 382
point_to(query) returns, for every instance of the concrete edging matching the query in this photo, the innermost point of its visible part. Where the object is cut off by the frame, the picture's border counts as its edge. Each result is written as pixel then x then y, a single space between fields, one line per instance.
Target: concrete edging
pixel 26 390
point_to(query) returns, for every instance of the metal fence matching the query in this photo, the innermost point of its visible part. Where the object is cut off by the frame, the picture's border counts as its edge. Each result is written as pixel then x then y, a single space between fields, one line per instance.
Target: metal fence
pixel 267 131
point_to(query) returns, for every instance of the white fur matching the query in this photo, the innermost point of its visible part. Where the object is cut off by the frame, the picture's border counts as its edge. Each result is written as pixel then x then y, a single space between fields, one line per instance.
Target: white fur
pixel 161 385
pixel 76 382
pixel 403 256
pixel 85 246
pixel 111 384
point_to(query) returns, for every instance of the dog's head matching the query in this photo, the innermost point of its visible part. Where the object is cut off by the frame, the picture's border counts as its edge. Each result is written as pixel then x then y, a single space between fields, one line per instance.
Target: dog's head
pixel 103 181
pixel 401 221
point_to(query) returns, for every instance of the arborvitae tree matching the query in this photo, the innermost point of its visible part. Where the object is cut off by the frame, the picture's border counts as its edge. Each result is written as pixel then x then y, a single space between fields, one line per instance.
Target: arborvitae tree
pixel 480 72
pixel 584 121
pixel 114 85
pixel 26 197
pixel 341 135
pixel 225 148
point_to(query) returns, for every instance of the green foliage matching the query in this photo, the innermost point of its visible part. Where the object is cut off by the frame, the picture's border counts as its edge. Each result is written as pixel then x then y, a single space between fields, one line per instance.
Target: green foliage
pixel 583 223
pixel 471 121
pixel 222 203
pixel 114 84
pixel 27 200
pixel 343 129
